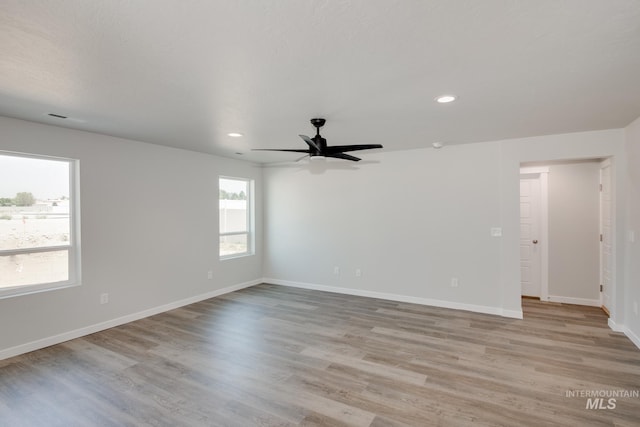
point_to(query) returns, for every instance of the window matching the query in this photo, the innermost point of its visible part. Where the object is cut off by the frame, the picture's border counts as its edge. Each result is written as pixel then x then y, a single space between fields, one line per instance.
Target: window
pixel 38 224
pixel 236 217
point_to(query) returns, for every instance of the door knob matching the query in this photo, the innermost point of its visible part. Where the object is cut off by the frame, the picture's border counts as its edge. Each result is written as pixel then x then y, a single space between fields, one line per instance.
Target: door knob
pixel 535 242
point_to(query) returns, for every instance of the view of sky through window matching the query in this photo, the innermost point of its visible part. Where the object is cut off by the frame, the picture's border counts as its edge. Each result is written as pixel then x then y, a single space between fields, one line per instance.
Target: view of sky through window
pixel 44 178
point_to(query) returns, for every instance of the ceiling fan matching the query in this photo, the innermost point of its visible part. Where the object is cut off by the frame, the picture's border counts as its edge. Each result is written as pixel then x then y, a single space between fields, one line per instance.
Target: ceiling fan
pixel 318 146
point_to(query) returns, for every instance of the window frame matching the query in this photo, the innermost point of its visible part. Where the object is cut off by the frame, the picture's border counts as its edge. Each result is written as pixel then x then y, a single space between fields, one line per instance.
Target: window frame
pixel 250 220
pixel 73 247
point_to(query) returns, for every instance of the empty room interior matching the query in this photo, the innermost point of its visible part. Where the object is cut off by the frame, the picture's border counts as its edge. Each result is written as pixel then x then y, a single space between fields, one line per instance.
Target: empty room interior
pixel 330 213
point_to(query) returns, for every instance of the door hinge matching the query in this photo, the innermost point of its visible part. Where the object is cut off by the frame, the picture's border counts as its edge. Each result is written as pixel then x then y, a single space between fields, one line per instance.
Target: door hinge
pixel 600 288
pixel 601 237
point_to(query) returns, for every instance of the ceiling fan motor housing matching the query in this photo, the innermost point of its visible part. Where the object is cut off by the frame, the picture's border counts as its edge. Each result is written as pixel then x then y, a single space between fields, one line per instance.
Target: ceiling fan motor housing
pixel 321 143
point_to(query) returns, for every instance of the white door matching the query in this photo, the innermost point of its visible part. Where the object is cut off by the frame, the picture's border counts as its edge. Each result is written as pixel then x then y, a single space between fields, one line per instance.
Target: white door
pixel 530 265
pixel 605 233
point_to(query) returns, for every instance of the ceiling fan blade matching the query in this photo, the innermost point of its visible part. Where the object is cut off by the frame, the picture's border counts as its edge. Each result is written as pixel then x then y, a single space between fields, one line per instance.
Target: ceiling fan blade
pixel 343 156
pixel 345 148
pixel 311 142
pixel 303 157
pixel 281 149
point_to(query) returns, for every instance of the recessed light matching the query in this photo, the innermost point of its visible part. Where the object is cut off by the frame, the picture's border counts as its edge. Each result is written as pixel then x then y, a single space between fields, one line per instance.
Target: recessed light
pixel 443 99
pixel 437 145
pixel 235 134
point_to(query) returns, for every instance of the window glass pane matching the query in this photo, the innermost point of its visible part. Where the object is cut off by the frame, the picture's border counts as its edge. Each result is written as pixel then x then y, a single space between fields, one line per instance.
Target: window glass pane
pixel 232 245
pixel 233 205
pixel 33 268
pixel 235 212
pixel 34 202
pixel 35 214
pixel 33 231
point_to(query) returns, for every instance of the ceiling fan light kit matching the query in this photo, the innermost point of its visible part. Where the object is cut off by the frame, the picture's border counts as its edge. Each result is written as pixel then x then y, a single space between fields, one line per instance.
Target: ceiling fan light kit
pixel 318 148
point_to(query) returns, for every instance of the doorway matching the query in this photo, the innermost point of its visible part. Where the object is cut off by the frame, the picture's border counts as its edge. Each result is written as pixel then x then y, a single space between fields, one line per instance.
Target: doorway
pixel 566 231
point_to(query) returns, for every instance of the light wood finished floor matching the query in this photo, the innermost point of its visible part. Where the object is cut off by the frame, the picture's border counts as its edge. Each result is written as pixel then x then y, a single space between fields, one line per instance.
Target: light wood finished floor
pixel 272 356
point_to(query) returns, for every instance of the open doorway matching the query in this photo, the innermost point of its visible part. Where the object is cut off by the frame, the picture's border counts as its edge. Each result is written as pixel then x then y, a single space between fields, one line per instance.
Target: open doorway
pixel 565 231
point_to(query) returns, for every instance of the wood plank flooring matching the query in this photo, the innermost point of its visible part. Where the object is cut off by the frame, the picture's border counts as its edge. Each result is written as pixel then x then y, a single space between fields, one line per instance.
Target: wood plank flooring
pixel 276 356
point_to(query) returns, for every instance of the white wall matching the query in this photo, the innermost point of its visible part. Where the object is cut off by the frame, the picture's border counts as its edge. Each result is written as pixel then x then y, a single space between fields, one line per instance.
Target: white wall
pixel 410 221
pixel 632 295
pixel 574 228
pixel 450 199
pixel 149 231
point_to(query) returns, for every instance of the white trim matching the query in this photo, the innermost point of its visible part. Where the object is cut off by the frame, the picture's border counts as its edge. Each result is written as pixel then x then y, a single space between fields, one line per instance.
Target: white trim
pixel 601 207
pixel 614 326
pixel 575 301
pixel 513 314
pixel 622 328
pixel 517 314
pixel 544 233
pixel 534 170
pixel 75 261
pixel 613 298
pixel 633 337
pixel 77 333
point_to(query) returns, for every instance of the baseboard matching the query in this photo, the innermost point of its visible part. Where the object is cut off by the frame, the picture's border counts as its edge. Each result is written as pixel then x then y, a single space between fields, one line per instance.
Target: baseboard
pixel 614 326
pixel 514 314
pixel 77 333
pixel 575 301
pixel 622 328
pixel 517 314
pixel 633 337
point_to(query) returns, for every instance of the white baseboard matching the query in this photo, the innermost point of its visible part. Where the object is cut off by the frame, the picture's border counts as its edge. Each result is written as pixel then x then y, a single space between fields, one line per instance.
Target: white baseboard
pixel 622 328
pixel 614 326
pixel 77 333
pixel 517 314
pixel 514 314
pixel 633 337
pixel 575 301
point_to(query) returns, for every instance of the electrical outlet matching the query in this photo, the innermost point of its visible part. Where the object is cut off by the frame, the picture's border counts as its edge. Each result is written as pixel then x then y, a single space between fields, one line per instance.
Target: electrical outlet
pixel 496 232
pixel 358 272
pixel 454 282
pixel 209 274
pixel 104 298
pixel 336 270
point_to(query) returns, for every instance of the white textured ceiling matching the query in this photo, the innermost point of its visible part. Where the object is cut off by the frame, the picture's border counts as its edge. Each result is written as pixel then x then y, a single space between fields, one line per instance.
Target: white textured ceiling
pixel 185 73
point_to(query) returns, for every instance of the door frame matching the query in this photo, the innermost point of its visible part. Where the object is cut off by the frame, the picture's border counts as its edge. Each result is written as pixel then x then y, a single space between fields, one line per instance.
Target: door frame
pixel 542 173
pixel 606 163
